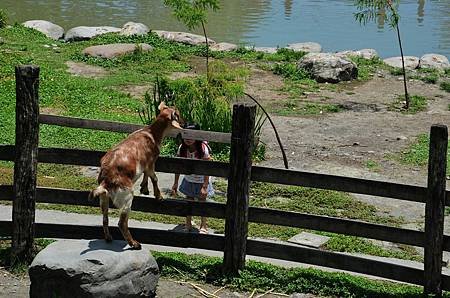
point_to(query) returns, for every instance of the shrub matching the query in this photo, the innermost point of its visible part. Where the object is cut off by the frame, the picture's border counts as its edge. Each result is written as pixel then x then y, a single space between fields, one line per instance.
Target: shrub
pixel 445 86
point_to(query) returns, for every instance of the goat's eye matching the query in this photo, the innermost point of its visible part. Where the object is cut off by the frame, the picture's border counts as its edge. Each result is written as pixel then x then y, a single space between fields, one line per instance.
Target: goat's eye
pixel 174 116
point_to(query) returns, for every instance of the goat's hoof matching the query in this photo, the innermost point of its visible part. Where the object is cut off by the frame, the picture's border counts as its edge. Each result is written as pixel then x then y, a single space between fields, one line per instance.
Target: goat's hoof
pixel 108 239
pixel 136 246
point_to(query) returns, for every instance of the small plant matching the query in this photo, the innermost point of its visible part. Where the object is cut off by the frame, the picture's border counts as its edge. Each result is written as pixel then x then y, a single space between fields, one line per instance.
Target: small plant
pixel 417 104
pixel 369 11
pixel 372 165
pixel 193 13
pixel 445 86
pixel 290 71
pixel 366 67
pixel 3 18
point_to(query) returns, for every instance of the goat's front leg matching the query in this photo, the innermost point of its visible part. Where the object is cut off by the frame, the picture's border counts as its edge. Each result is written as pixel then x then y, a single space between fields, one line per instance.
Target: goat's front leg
pixel 156 191
pixel 104 205
pixel 144 185
pixel 123 226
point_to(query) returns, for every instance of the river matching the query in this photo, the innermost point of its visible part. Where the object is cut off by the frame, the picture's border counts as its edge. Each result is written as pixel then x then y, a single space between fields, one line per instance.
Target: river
pixel 424 25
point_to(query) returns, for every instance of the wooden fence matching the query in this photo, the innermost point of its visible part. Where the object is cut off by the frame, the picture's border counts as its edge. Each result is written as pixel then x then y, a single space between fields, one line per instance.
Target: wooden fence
pixel 236 212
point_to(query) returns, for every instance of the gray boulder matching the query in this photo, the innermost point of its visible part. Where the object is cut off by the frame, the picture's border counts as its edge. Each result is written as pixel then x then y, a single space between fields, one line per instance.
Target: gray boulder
pixel 132 28
pixel 223 47
pixel 268 50
pixel 93 268
pixel 184 37
pixel 51 30
pixel 411 62
pixel 363 53
pixel 326 67
pixel 309 47
pixel 115 50
pixel 435 61
pixel 85 33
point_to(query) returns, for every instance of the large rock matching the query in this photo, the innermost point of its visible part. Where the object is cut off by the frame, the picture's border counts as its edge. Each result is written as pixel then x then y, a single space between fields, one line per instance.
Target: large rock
pixel 184 37
pixel 363 53
pixel 308 47
pixel 435 61
pixel 115 50
pixel 411 62
pixel 51 30
pixel 132 28
pixel 326 67
pixel 95 268
pixel 268 50
pixel 84 33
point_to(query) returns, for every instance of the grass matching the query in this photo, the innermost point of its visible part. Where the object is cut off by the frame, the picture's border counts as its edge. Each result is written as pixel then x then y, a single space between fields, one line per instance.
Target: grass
pixel 417 104
pixel 295 108
pixel 367 67
pixel 372 165
pixel 417 153
pixel 445 86
pixel 264 277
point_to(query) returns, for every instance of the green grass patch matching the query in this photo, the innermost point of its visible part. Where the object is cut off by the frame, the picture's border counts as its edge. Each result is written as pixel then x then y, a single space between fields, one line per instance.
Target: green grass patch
pixel 367 67
pixel 417 104
pixel 296 108
pixel 445 86
pixel 265 277
pixel 372 165
pixel 417 153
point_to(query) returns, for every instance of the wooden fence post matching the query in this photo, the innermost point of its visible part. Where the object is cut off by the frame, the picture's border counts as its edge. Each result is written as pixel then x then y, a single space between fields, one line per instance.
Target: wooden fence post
pixel 434 209
pixel 236 218
pixel 25 162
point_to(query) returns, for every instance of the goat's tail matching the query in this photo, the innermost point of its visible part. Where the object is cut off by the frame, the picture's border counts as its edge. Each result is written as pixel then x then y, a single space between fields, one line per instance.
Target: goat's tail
pixel 99 192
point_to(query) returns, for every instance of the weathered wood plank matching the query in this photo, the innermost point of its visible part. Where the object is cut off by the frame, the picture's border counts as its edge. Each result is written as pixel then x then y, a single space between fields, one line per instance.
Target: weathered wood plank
pixel 261 174
pixel 339 183
pixel 334 260
pixel 254 247
pixel 434 210
pixel 25 162
pixel 236 221
pixel 113 126
pixel 257 215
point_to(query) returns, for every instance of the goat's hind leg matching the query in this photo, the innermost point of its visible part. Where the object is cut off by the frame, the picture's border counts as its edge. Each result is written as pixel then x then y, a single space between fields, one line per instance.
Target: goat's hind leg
pixel 156 191
pixel 123 226
pixel 104 205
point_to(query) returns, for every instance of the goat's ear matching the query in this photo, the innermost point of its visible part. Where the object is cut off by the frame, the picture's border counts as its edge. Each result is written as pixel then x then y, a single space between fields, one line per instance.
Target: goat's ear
pixel 162 106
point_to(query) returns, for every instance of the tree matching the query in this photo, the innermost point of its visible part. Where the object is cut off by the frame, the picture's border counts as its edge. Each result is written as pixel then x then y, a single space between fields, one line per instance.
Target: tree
pixel 369 11
pixel 193 13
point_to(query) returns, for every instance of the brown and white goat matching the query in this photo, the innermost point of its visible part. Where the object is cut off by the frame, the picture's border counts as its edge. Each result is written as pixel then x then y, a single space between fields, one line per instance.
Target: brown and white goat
pixel 123 165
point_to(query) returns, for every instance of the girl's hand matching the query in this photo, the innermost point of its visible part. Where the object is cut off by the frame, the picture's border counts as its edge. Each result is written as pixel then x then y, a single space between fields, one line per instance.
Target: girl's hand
pixel 174 190
pixel 203 192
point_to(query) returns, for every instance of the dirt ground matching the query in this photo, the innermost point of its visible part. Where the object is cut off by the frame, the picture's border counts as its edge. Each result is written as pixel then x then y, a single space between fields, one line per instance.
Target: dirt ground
pixel 339 144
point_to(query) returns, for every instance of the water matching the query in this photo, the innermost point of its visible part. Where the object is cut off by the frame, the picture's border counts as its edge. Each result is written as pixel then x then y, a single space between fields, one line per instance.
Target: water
pixel 424 25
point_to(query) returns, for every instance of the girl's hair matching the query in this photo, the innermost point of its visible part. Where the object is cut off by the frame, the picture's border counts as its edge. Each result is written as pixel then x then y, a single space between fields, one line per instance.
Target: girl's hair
pixel 200 152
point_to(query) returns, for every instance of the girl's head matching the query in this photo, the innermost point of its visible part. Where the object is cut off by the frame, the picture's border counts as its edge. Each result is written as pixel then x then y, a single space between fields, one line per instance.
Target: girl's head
pixel 192 144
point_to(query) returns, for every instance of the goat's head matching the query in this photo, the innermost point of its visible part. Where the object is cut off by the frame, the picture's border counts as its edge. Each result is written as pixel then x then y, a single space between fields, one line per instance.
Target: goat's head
pixel 171 115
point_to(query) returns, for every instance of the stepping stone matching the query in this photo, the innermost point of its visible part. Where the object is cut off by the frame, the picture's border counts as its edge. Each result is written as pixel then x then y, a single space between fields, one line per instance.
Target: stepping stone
pixel 85 33
pixel 49 29
pixel 309 239
pixel 435 61
pixel 115 50
pixel 223 47
pixel 132 28
pixel 308 47
pixel 183 37
pixel 363 53
pixel 411 62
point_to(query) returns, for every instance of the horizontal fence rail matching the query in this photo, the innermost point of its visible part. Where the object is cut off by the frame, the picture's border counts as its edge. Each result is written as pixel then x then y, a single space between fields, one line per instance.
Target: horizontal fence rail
pixel 256 215
pixel 113 126
pixel 261 174
pixel 254 247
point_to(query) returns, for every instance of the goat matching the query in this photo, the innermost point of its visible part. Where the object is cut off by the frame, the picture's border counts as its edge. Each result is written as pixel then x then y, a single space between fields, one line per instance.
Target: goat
pixel 123 165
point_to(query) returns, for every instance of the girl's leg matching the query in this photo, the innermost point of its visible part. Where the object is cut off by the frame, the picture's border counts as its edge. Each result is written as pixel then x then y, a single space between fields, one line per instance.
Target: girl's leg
pixel 188 224
pixel 203 223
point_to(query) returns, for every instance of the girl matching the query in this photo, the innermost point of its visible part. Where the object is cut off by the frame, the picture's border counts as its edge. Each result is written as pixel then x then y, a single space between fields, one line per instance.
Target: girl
pixel 194 186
